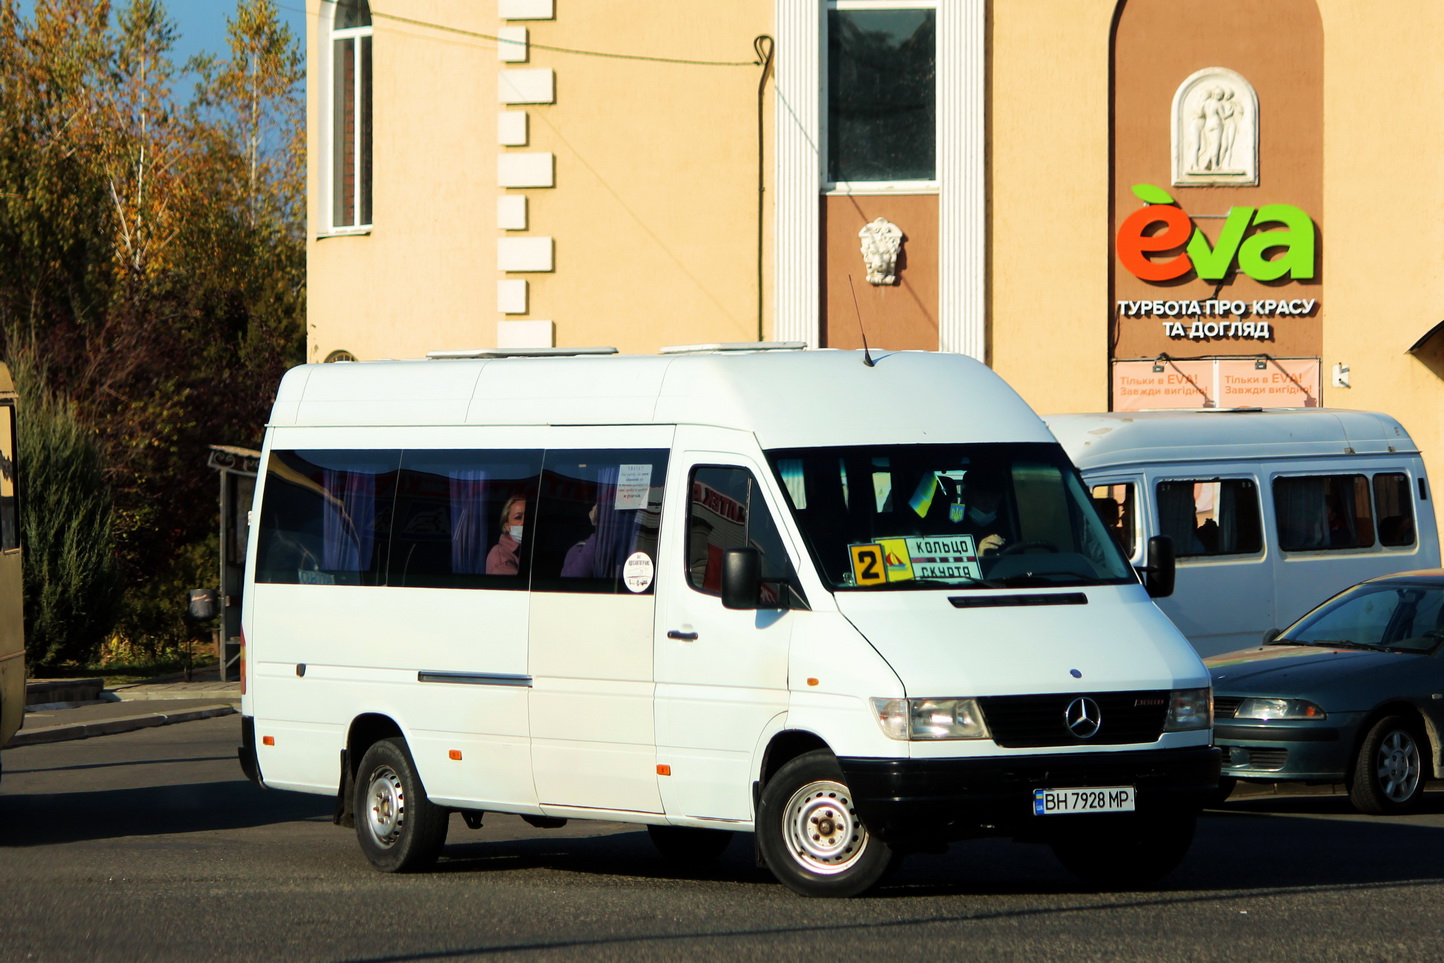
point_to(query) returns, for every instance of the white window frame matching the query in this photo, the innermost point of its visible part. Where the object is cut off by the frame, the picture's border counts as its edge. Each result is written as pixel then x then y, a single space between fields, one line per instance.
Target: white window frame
pixel 328 226
pixel 830 187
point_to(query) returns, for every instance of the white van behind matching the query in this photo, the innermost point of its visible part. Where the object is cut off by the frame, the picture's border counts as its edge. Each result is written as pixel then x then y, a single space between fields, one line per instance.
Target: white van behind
pixel 710 591
pixel 1270 511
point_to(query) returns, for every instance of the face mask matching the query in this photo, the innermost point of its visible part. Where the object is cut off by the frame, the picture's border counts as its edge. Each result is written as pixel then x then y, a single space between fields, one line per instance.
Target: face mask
pixel 515 532
pixel 978 517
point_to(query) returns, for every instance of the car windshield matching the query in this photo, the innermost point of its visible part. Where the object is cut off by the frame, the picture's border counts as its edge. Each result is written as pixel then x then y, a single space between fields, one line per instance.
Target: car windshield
pixel 1402 617
pixel 897 517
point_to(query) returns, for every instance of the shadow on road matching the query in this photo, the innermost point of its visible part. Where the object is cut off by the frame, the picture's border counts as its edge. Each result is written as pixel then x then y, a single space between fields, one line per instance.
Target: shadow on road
pixel 47 818
pixel 1265 844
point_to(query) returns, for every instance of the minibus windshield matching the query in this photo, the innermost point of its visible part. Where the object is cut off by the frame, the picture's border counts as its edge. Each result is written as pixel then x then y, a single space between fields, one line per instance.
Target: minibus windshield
pixel 899 517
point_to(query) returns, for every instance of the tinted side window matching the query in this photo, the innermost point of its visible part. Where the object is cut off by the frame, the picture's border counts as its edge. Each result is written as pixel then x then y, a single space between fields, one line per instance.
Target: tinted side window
pixel 326 517
pixel 727 511
pixel 1394 508
pixel 449 530
pixel 1318 513
pixel 596 511
pixel 1210 516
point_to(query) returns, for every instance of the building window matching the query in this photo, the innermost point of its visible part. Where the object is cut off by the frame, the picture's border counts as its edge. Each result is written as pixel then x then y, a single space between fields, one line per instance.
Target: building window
pixel 350 127
pixel 881 94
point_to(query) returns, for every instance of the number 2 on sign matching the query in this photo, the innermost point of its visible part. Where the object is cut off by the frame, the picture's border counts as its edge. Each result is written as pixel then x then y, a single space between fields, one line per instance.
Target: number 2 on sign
pixel 868 567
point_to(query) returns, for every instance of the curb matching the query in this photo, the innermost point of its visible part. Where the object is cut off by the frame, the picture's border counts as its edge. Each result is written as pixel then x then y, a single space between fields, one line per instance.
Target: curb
pixel 104 727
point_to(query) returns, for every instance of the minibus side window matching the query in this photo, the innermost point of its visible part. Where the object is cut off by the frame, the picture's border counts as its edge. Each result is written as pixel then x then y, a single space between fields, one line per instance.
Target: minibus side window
pixel 9 488
pixel 1117 506
pixel 1394 508
pixel 1210 516
pixel 449 531
pixel 326 517
pixel 1320 513
pixel 597 521
pixel 727 511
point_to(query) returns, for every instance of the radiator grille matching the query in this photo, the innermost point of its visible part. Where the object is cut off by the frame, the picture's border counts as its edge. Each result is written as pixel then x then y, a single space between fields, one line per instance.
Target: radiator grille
pixel 1021 722
pixel 1224 707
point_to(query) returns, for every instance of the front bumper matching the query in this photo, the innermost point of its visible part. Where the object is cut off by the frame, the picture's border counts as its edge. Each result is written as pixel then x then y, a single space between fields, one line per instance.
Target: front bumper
pixel 929 800
pixel 1283 751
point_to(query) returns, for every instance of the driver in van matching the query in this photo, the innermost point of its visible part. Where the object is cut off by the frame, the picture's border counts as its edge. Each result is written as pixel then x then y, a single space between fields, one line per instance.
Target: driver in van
pixel 504 557
pixel 982 494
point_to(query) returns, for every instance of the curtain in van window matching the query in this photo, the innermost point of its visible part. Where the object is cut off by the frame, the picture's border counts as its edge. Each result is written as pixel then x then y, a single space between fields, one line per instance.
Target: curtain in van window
pixel 1176 516
pixel 471 529
pixel 1299 505
pixel 617 524
pixel 348 520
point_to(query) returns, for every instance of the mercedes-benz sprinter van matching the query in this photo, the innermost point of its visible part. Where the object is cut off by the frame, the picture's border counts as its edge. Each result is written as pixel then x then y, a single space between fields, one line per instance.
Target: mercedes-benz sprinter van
pixel 855 605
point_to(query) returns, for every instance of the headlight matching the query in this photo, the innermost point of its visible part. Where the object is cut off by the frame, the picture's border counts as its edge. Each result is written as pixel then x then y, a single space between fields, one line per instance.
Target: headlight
pixel 1278 709
pixel 908 719
pixel 1189 709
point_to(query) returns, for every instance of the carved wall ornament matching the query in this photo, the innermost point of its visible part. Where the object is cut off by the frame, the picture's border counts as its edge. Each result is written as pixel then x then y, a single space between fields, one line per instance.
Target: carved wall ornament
pixel 881 243
pixel 1215 128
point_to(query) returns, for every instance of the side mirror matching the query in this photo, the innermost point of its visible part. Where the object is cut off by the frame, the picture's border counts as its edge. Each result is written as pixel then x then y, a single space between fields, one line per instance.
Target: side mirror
pixel 1158 573
pixel 741 578
pixel 204 605
pixel 1271 634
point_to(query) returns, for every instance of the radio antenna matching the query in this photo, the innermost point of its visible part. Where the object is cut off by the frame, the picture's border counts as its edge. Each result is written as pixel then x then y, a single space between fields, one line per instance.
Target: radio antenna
pixel 866 355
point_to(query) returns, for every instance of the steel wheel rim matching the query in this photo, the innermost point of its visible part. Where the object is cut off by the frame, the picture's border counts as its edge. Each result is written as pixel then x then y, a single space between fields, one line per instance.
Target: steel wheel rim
pixel 821 828
pixel 385 807
pixel 1398 766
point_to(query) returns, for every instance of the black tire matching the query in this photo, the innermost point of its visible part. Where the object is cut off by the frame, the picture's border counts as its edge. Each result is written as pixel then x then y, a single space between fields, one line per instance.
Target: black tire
pixel 1226 786
pixel 400 830
pixel 811 836
pixel 685 844
pixel 1125 852
pixel 1388 776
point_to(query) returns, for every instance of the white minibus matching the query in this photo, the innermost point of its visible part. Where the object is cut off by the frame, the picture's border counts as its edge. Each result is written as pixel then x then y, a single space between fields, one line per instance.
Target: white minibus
pixel 857 606
pixel 1270 511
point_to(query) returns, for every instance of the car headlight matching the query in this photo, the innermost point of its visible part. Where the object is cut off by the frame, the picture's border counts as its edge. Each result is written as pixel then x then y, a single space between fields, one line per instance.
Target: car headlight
pixel 1189 709
pixel 912 719
pixel 1266 709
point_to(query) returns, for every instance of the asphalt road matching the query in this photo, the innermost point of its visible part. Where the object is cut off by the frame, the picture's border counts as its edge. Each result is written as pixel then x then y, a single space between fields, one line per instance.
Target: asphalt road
pixel 150 845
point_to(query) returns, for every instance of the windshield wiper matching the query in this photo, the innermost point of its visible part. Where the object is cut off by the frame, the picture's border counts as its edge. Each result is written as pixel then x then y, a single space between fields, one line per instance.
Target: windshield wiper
pixel 1326 643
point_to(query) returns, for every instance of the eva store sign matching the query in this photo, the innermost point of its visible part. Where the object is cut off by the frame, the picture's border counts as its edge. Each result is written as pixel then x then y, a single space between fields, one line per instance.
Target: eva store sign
pixel 1266 243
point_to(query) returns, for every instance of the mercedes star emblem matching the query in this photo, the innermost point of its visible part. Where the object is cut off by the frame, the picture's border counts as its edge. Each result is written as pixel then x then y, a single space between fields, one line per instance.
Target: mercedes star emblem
pixel 1083 718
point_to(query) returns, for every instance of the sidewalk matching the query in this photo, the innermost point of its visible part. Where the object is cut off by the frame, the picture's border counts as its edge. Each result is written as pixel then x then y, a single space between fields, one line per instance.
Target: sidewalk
pixel 83 709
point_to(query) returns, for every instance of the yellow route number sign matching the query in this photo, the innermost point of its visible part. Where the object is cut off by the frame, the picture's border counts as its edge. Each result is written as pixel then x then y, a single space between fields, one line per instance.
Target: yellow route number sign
pixel 869 564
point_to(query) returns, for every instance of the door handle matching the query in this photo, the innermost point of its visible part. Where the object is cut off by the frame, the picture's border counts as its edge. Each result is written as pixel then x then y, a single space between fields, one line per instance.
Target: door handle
pixel 681 636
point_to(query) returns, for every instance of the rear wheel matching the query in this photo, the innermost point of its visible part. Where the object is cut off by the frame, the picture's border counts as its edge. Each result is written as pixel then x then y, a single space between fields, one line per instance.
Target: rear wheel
pixel 685 844
pixel 400 830
pixel 1388 775
pixel 1125 851
pixel 810 834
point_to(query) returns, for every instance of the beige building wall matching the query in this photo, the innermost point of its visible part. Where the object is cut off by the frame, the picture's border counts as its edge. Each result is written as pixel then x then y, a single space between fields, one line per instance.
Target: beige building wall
pixel 1048 168
pixel 653 218
pixel 1384 195
pixel 654 213
pixel 423 277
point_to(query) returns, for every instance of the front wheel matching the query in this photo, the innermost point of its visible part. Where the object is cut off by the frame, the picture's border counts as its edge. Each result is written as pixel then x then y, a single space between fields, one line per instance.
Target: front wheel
pixel 1388 776
pixel 400 830
pixel 810 834
pixel 1119 852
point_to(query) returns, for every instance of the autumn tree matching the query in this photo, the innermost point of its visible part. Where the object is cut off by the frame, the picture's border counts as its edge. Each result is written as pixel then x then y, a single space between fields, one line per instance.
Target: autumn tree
pixel 151 253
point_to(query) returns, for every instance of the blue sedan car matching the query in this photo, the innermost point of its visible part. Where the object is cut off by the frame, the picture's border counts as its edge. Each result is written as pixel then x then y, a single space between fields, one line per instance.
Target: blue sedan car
pixel 1351 693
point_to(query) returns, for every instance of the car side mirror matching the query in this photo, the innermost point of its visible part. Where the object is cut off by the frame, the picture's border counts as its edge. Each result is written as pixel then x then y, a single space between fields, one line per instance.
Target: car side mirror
pixel 1158 573
pixel 1271 634
pixel 741 578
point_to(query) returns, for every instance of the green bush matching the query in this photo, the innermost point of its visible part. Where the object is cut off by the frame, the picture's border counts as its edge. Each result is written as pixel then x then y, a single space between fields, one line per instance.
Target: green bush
pixel 71 573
